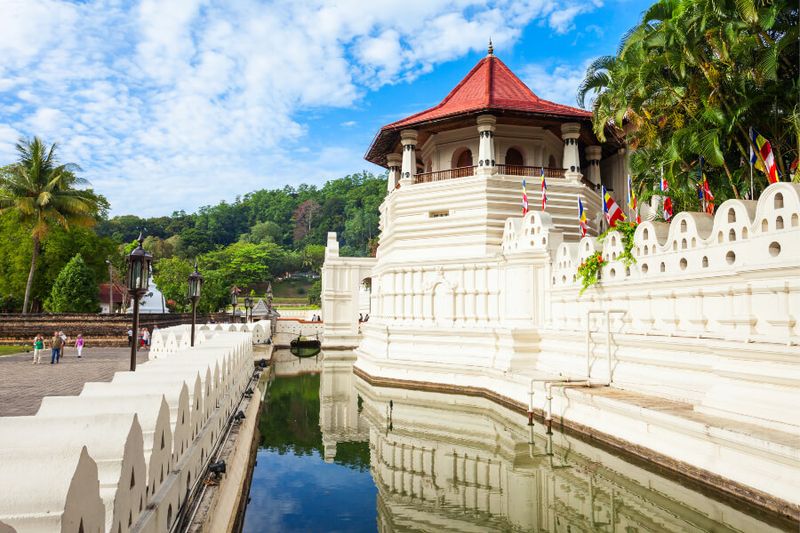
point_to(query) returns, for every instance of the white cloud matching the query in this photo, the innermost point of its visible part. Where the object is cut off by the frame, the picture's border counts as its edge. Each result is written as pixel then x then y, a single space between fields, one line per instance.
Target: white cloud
pixel 186 102
pixel 557 83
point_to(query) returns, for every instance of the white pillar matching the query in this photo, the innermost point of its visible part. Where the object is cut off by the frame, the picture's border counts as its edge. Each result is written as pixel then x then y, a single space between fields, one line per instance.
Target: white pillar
pixel 593 155
pixel 572 160
pixel 395 162
pixel 408 138
pixel 486 157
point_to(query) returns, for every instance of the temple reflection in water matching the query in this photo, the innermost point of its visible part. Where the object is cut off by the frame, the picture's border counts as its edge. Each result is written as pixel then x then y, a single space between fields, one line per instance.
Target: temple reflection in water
pixel 444 462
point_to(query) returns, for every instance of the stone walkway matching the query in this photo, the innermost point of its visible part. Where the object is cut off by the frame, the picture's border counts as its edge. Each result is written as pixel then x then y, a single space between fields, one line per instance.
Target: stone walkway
pixel 22 384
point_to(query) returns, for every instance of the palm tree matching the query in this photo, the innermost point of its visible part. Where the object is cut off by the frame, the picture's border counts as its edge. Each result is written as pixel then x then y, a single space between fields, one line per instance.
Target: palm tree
pixel 42 193
pixel 690 79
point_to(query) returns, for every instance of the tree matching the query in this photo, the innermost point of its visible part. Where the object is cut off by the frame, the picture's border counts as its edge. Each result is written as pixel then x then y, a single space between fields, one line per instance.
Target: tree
pixel 689 80
pixel 42 194
pixel 303 218
pixel 215 293
pixel 75 289
pixel 313 256
pixel 171 275
pixel 266 231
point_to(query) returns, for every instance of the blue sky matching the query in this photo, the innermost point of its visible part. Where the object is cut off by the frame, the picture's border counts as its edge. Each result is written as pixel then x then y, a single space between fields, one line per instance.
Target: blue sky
pixel 174 105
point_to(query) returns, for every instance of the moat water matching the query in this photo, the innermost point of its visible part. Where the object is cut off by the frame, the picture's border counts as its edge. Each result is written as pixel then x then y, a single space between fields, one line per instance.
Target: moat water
pixel 337 454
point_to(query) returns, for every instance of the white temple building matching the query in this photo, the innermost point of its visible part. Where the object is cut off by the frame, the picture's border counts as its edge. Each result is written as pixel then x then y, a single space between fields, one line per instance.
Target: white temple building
pixel 152 302
pixel 689 356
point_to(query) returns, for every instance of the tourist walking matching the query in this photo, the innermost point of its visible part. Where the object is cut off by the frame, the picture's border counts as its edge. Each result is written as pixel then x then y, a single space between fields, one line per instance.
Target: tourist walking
pixel 55 346
pixel 79 342
pixel 38 346
pixel 146 337
pixel 130 337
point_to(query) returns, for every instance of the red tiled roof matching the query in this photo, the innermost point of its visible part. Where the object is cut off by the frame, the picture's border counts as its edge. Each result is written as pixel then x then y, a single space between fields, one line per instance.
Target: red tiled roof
pixel 490 85
pixel 119 293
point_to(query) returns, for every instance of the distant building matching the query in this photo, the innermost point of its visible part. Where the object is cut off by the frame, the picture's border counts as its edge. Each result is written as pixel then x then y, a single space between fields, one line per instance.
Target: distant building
pixel 119 295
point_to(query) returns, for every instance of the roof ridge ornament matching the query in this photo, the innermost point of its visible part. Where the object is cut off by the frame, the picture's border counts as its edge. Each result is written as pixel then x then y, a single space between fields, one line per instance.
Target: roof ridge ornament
pixel 491 48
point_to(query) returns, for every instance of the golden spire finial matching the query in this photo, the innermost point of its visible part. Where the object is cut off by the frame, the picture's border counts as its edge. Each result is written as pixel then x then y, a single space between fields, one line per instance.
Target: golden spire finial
pixel 491 48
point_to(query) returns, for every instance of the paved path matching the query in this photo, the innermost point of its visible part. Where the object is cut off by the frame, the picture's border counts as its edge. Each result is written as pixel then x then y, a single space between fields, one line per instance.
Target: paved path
pixel 22 384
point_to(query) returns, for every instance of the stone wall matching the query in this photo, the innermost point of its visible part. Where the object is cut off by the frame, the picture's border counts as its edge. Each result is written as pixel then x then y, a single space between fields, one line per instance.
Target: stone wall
pixel 97 329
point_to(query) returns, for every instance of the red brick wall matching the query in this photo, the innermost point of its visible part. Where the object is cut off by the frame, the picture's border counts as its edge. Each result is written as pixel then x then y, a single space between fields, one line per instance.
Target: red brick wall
pixel 97 329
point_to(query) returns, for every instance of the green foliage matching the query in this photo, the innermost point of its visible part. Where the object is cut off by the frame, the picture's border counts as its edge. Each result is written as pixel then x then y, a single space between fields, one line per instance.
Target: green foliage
pixel 625 229
pixel 263 232
pixel 43 195
pixel 689 80
pixel 214 295
pixel 246 243
pixel 315 293
pixel 312 257
pixel 75 289
pixel 171 276
pixel 589 271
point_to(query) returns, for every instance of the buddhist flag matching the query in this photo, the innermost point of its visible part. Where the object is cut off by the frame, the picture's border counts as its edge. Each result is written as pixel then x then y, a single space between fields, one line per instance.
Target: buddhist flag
pixel 704 193
pixel 632 202
pixel 764 160
pixel 708 196
pixel 544 191
pixel 584 226
pixel 667 199
pixel 667 208
pixel 524 199
pixel 612 211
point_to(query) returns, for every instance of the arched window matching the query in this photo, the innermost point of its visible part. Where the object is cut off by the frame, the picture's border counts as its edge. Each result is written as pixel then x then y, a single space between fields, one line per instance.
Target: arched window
pixel 551 162
pixel 462 158
pixel 514 157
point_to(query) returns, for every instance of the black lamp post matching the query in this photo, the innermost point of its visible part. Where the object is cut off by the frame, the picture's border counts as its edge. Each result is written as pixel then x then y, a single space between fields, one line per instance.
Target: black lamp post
pixel 234 302
pixel 195 284
pixel 138 279
pixel 248 306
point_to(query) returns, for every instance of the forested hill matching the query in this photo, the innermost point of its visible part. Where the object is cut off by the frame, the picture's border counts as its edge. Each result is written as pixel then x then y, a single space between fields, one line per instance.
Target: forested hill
pixel 247 243
pixel 291 217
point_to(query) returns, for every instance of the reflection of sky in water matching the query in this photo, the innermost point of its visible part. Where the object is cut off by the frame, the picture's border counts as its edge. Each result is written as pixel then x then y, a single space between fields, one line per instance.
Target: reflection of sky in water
pixel 303 493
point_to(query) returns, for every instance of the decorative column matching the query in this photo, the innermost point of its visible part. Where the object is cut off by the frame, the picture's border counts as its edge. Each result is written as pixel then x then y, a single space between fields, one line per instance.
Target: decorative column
pixel 395 162
pixel 486 158
pixel 593 155
pixel 572 160
pixel 408 138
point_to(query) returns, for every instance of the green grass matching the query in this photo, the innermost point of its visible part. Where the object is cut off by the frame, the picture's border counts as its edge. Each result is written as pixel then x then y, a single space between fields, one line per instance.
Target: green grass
pixel 297 307
pixel 292 288
pixel 11 350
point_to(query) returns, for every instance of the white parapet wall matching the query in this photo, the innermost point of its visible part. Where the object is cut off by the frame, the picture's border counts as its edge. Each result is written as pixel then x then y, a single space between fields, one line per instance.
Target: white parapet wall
pixel 706 316
pixel 54 491
pixel 342 279
pixel 148 435
pixel 153 414
pixel 114 441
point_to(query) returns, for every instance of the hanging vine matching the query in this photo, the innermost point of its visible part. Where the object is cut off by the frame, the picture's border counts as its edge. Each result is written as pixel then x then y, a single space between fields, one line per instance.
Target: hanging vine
pixel 626 230
pixel 589 270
